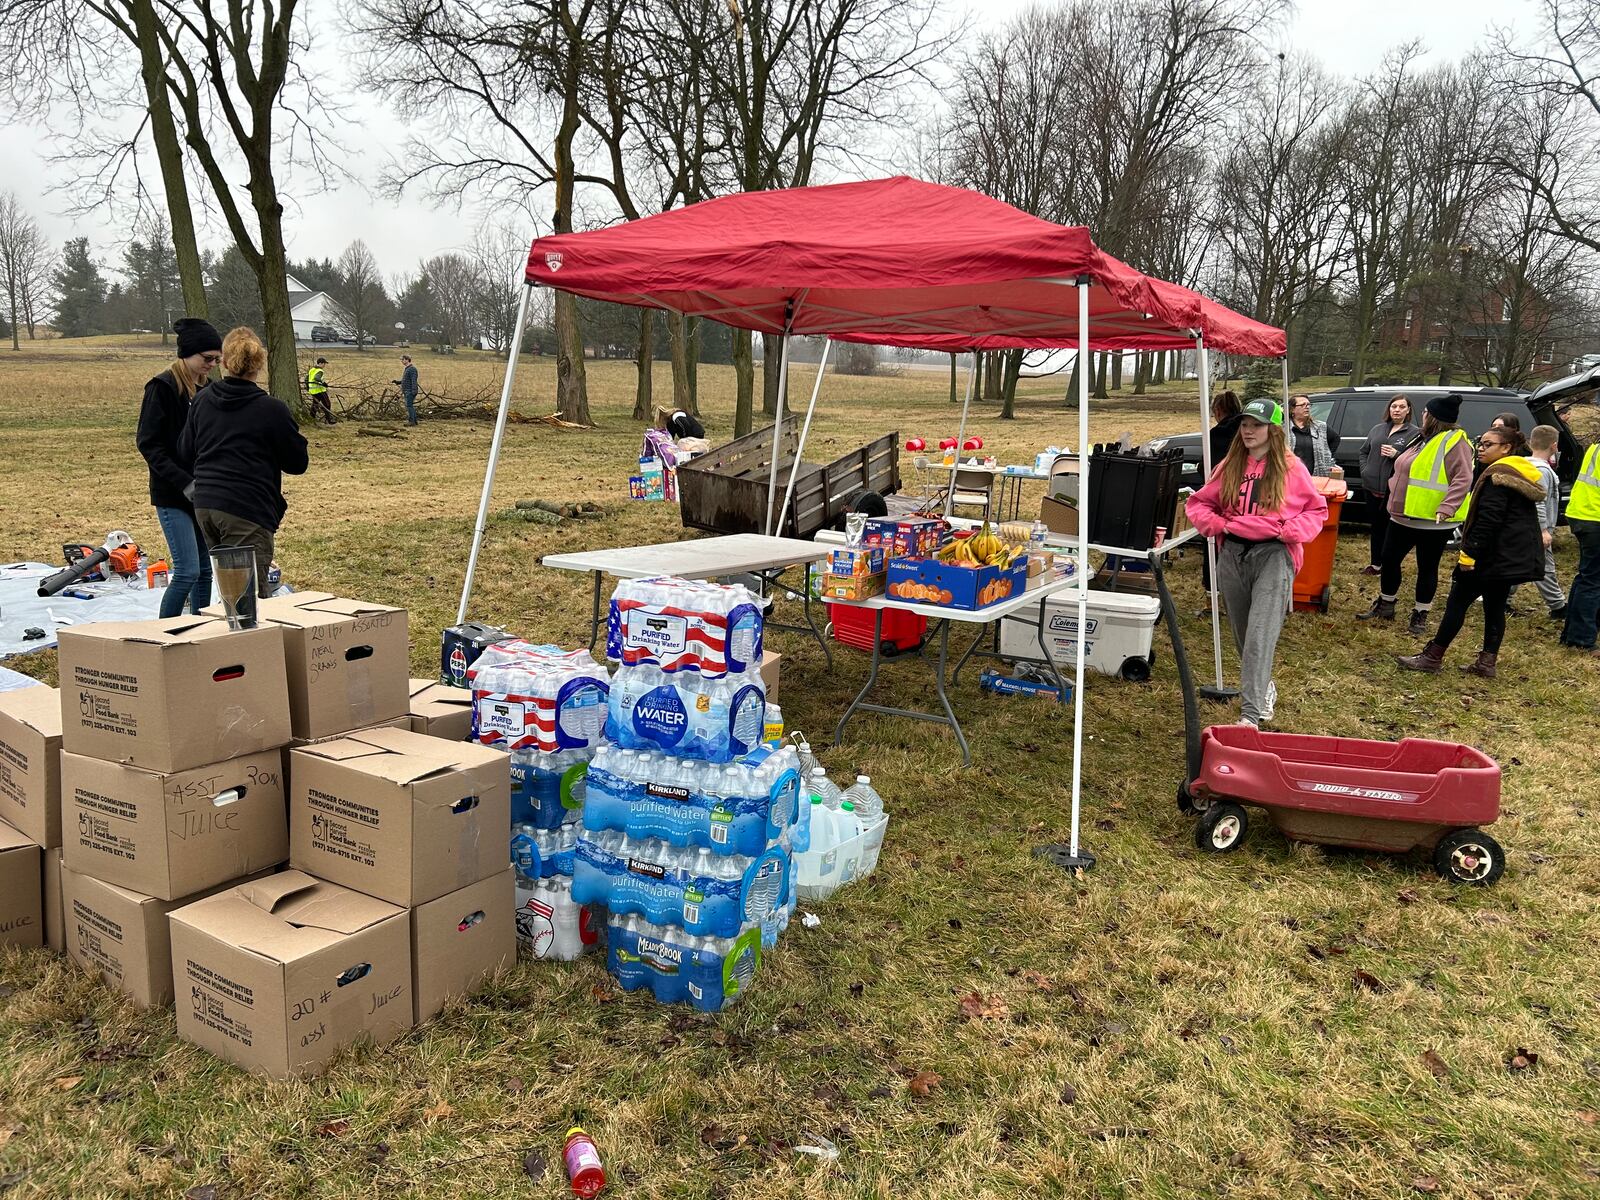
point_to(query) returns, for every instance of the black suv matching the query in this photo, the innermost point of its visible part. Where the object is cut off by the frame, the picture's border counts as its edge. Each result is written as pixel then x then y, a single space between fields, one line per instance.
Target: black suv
pixel 324 333
pixel 1352 411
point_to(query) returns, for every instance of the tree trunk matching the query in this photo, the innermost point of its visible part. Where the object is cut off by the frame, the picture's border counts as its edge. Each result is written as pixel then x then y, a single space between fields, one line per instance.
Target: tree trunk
pixel 693 324
pixel 1100 376
pixel 744 382
pixel 953 379
pixel 991 376
pixel 1071 398
pixel 572 391
pixel 1116 371
pixel 678 335
pixel 1160 365
pixel 1008 389
pixel 12 290
pixel 771 360
pixel 644 362
pixel 978 374
pixel 1139 367
pixel 272 272
pixel 169 154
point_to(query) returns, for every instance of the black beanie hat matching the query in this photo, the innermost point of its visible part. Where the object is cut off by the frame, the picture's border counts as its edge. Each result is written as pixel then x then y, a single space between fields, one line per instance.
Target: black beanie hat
pixel 1446 408
pixel 195 336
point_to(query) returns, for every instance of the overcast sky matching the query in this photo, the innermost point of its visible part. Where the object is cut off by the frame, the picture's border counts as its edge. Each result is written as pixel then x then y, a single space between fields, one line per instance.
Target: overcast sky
pixel 1349 36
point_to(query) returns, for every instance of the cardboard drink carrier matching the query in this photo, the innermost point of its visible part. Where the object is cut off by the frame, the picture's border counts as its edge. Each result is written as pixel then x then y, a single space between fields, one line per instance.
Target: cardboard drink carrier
pixel 30 763
pixel 172 694
pixel 278 974
pixel 399 815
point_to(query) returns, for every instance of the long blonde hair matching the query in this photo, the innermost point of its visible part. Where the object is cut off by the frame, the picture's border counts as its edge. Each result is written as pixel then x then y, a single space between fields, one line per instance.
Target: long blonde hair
pixel 1273 485
pixel 183 379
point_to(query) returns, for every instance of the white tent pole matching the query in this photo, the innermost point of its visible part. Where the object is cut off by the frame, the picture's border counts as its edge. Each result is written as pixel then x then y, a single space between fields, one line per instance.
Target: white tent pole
pixel 1286 382
pixel 961 432
pixel 1083 555
pixel 1206 466
pixel 777 428
pixel 494 451
pixel 799 450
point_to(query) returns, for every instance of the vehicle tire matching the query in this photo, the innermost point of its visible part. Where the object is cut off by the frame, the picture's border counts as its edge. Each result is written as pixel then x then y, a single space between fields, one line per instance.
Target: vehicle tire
pixel 1186 804
pixel 1136 670
pixel 1470 857
pixel 1221 828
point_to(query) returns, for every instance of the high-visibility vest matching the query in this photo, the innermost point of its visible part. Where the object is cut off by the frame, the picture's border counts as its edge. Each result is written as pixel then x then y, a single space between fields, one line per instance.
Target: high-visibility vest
pixel 1427 481
pixel 314 382
pixel 1584 504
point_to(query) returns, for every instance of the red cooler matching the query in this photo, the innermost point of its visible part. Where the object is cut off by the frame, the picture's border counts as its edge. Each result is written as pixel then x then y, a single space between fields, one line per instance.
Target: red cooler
pixel 1313 582
pixel 853 626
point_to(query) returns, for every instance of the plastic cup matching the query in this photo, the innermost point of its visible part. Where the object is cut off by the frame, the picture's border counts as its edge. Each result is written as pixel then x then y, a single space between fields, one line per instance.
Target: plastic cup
pixel 234 569
pixel 1161 536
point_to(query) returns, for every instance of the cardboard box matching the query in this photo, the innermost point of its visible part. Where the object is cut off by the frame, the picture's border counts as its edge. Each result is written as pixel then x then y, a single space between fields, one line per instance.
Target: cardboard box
pixel 459 940
pixel 399 815
pixel 905 537
pixel 174 694
pixel 401 722
pixel 55 934
pixel 122 936
pixel 441 712
pixel 856 560
pixel 852 587
pixel 929 581
pixel 1059 516
pixel 175 834
pixel 30 763
pixel 771 667
pixel 21 897
pixel 348 662
pixel 279 974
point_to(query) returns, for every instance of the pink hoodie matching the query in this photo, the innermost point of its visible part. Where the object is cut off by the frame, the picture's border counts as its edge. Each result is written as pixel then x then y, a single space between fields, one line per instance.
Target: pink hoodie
pixel 1299 521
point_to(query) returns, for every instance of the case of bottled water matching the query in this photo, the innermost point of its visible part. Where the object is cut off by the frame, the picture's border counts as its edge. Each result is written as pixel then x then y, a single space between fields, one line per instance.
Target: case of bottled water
pixel 544 853
pixel 685 714
pixel 528 697
pixel 551 926
pixel 704 894
pixel 685 625
pixel 678 967
pixel 740 808
pixel 548 787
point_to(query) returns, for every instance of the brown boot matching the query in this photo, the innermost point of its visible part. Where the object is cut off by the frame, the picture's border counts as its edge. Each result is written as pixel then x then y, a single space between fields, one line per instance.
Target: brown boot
pixel 1484 666
pixel 1418 625
pixel 1381 608
pixel 1430 660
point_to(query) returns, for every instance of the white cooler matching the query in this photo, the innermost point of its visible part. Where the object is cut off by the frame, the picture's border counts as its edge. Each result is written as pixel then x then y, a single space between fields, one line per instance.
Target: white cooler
pixel 1121 629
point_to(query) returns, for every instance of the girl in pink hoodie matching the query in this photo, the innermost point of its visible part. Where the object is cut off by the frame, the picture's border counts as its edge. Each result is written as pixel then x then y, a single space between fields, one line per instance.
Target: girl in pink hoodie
pixel 1261 505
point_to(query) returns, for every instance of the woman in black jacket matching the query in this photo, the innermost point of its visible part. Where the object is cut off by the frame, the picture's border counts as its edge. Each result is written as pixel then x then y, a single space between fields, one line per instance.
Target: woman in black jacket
pixel 238 444
pixel 1385 441
pixel 1502 545
pixel 161 420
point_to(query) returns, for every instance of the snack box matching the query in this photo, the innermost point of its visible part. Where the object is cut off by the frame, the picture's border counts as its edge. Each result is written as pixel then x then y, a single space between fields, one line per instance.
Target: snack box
pixel 929 581
pixel 852 587
pixel 856 560
pixel 905 537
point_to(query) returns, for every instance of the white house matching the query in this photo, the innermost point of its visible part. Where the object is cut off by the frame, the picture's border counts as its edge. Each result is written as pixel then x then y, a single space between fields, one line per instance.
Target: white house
pixel 309 309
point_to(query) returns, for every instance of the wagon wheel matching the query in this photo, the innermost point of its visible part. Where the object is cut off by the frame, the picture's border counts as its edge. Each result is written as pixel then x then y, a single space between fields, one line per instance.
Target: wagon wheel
pixel 1186 804
pixel 1469 856
pixel 1221 828
pixel 1135 670
pixel 1322 600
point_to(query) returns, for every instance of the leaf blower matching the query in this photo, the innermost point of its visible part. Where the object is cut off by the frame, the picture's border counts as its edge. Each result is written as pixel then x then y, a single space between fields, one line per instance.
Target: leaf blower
pixel 119 550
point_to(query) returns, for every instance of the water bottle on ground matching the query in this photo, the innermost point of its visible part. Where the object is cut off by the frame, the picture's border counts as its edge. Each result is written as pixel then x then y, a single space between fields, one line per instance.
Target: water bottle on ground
pixel 869 805
pixel 825 789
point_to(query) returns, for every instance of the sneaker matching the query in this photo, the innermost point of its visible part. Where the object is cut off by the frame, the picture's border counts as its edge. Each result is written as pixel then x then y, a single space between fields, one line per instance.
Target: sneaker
pixel 1372 569
pixel 1271 704
pixel 1559 614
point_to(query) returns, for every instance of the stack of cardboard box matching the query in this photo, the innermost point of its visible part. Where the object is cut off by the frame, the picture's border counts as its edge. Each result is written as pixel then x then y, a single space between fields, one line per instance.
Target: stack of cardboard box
pixel 196 759
pixel 30 818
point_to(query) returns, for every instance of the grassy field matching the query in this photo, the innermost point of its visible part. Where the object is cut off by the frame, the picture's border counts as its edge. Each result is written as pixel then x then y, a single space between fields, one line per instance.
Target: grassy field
pixel 1283 1021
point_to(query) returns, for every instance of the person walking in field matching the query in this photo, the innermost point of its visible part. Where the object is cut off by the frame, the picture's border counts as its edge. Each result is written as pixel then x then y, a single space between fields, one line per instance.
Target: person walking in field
pixel 408 387
pixel 162 416
pixel 317 390
pixel 1261 504
pixel 238 444
pixel 1501 546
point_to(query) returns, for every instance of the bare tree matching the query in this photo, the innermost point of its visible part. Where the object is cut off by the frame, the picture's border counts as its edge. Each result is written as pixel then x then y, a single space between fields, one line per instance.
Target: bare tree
pixel 453 283
pixel 360 289
pixel 499 256
pixel 19 234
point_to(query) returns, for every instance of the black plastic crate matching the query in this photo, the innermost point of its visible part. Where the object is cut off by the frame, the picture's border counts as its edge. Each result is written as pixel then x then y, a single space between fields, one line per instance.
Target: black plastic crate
pixel 1131 495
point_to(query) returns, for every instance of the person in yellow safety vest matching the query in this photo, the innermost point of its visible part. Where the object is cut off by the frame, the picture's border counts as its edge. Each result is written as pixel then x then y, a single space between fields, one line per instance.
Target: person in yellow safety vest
pixel 1428 499
pixel 317 389
pixel 1583 518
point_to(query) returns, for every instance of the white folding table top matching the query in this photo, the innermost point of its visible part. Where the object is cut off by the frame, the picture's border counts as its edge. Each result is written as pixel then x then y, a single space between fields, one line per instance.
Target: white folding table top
pixel 701 558
pixel 974 616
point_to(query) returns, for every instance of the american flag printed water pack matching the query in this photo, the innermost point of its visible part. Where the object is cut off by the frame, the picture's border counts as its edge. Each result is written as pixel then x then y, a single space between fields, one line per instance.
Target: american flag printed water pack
pixel 685 625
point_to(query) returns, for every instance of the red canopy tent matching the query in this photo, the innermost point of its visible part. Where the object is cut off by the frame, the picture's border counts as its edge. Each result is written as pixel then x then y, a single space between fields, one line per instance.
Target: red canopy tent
pixel 894 262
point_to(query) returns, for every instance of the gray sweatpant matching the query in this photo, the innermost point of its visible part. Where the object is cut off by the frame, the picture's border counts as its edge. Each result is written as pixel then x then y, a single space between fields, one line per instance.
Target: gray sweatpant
pixel 1549 587
pixel 1257 582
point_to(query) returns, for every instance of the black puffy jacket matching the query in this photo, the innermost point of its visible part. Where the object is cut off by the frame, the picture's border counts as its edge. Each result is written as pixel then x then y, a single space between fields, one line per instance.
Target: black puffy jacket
pixel 1501 534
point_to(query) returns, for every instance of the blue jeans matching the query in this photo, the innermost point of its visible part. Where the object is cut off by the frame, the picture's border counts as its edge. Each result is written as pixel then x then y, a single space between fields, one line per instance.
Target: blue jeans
pixel 1583 599
pixel 411 407
pixel 190 562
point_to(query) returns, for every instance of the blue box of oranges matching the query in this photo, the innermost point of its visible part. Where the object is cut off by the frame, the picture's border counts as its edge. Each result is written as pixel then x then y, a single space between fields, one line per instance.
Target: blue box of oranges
pixel 950 585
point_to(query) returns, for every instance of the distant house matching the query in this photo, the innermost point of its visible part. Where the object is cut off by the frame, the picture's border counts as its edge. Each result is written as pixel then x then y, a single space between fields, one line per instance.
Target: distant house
pixel 1486 320
pixel 309 309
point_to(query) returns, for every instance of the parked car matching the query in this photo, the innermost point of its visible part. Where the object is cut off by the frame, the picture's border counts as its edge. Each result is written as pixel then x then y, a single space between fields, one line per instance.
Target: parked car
pixel 324 333
pixel 1351 411
pixel 366 339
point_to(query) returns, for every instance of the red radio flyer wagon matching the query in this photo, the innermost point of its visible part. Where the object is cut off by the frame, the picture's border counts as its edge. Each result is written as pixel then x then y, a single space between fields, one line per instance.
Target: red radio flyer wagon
pixel 1391 796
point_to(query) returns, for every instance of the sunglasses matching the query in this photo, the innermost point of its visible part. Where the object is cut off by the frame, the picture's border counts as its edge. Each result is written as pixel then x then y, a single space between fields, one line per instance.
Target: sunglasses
pixel 1484 443
pixel 211 359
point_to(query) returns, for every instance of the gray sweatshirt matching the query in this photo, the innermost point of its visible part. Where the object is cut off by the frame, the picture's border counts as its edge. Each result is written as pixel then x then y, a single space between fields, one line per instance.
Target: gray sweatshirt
pixel 1550 506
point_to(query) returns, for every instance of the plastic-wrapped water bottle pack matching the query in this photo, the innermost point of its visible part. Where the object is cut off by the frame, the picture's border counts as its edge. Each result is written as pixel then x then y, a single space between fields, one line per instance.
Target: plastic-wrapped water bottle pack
pixel 528 697
pixel 686 714
pixel 685 625
pixel 678 967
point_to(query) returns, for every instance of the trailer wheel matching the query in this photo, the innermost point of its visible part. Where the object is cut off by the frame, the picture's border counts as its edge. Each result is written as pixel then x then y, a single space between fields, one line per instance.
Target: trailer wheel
pixel 1136 670
pixel 1469 856
pixel 1186 804
pixel 1221 828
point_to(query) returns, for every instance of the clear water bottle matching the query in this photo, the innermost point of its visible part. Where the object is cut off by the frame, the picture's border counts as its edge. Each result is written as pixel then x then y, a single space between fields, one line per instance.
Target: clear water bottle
pixel 808 760
pixel 869 805
pixel 849 823
pixel 824 829
pixel 825 789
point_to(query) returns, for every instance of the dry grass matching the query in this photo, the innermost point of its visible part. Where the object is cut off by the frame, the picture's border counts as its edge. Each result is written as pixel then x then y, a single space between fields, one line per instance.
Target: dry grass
pixel 1172 1025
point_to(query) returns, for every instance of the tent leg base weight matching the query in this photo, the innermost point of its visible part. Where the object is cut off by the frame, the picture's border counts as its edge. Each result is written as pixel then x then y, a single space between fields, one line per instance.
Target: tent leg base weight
pixel 1063 857
pixel 1218 695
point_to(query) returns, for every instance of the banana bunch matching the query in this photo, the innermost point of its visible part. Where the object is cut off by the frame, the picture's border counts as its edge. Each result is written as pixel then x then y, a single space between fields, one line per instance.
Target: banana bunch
pixel 982 549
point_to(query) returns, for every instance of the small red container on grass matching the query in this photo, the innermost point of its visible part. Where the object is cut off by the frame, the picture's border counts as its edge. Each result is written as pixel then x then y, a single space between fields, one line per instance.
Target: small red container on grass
pixel 584 1172
pixel 1392 796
